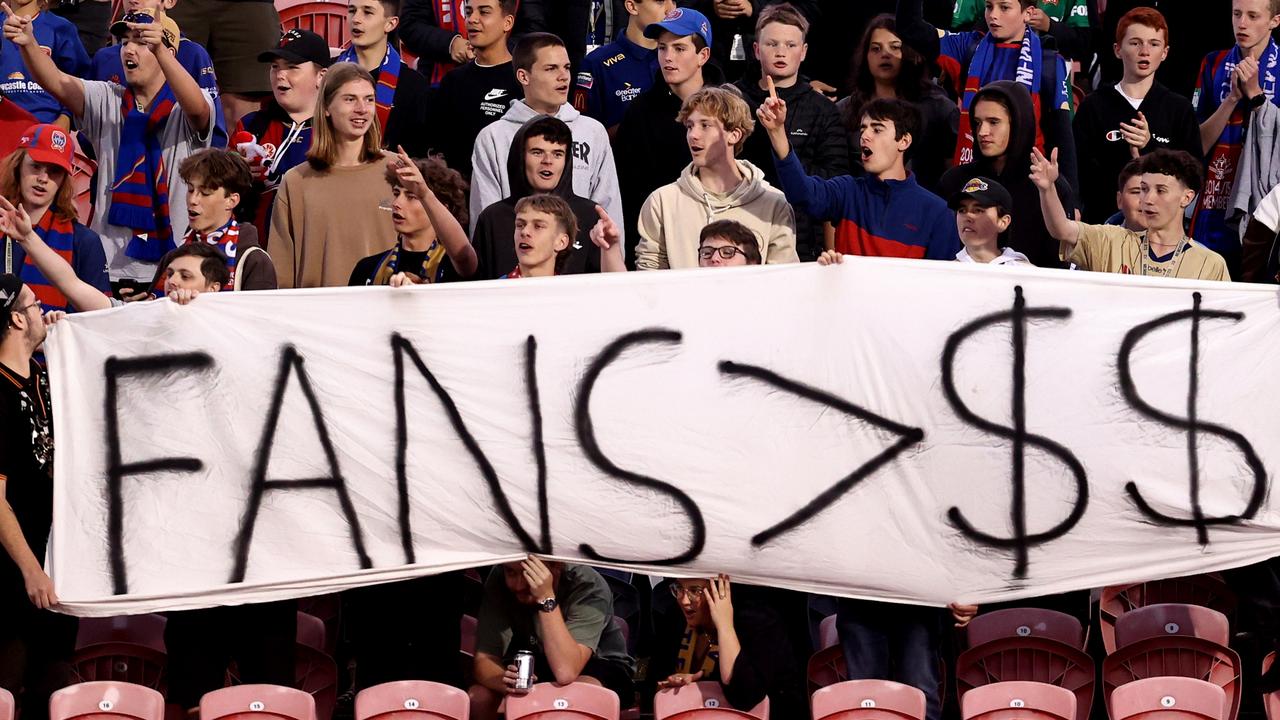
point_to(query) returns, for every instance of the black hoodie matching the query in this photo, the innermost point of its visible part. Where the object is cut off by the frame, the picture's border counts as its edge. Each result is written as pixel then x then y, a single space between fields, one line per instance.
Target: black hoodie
pixel 1028 235
pixel 494 238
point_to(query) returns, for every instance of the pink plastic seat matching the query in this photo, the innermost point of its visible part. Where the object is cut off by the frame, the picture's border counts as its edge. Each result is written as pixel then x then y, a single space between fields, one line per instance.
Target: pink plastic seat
pixel 702 701
pixel 868 700
pixel 1205 590
pixel 412 700
pixel 126 648
pixel 328 608
pixel 326 19
pixel 575 701
pixel 1168 698
pixel 828 634
pixel 468 626
pixel 1270 701
pixel 315 671
pixel 1176 656
pixel 257 702
pixel 1026 622
pixel 1032 659
pixel 826 667
pixel 106 700
pixel 1019 700
pixel 6 705
pixel 1172 619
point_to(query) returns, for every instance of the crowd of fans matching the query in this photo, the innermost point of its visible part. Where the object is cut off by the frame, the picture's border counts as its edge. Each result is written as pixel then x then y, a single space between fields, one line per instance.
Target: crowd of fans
pixel 545 138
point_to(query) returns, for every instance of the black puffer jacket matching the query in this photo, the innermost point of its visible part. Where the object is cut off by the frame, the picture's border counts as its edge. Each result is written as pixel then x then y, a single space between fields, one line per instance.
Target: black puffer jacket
pixel 1028 235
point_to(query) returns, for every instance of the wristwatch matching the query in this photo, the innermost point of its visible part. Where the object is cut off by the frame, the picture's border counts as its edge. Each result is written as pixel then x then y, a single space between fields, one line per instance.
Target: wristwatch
pixel 547 605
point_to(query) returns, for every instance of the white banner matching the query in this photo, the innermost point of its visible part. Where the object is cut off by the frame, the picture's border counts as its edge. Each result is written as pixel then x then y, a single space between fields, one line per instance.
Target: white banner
pixel 915 431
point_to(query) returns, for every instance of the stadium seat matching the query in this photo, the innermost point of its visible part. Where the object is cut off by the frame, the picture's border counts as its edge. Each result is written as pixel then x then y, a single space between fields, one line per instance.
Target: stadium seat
pixel 1205 590
pixel 1019 700
pixel 702 701
pixel 1172 619
pixel 1177 656
pixel 126 648
pixel 468 646
pixel 868 700
pixel 315 671
pixel 1168 698
pixel 82 172
pixel 324 18
pixel 106 700
pixel 1033 659
pixel 6 705
pixel 575 701
pixel 1026 622
pixel 826 667
pixel 257 702
pixel 828 633
pixel 329 609
pixel 412 700
pixel 1270 701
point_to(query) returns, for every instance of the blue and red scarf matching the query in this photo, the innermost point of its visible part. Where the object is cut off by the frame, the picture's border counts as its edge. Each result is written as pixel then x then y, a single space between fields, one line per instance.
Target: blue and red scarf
pixel 140 191
pixel 1209 223
pixel 226 239
pixel 59 235
pixel 387 79
pixel 982 70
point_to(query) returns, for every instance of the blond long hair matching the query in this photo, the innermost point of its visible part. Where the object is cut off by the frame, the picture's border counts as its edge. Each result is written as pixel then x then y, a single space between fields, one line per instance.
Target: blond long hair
pixel 64 200
pixel 324 141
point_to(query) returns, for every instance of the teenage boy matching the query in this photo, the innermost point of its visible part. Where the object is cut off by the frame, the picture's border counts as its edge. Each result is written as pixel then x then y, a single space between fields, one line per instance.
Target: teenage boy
pixel 727 243
pixel 142 131
pixel 477 93
pixel 818 137
pixel 36 643
pixel 280 133
pixel 1170 181
pixel 983 215
pixel 1137 115
pixel 883 213
pixel 399 91
pixel 1069 22
pixel 216 180
pixel 1009 50
pixel 559 612
pixel 614 75
pixel 1232 83
pixel 56 36
pixel 652 149
pixel 108 62
pixel 1129 198
pixel 716 185
pixel 542 67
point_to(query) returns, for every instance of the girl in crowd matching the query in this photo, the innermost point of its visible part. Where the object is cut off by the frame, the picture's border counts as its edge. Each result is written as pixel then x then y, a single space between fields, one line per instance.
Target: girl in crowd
pixel 884 66
pixel 326 216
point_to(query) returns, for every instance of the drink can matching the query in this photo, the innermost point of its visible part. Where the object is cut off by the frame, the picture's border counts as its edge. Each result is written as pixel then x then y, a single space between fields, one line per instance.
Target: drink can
pixel 524 670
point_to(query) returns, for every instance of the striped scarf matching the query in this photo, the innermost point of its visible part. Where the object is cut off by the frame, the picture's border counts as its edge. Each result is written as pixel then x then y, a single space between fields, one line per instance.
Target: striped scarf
pixel 59 235
pixel 140 191
pixel 387 79
pixel 982 71
pixel 226 239
pixel 1209 223
pixel 429 272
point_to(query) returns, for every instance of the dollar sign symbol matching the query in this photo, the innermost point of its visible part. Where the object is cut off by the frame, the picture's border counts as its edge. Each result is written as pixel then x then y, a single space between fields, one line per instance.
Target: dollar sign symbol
pixel 1192 424
pixel 1021 540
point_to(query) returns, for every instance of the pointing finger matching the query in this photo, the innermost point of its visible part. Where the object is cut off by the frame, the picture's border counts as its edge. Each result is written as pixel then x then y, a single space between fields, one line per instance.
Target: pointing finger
pixel 601 213
pixel 773 91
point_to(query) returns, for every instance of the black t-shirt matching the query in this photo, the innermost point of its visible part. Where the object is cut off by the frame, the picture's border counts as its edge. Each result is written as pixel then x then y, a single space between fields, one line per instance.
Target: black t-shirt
pixel 26 458
pixel 407 122
pixel 363 273
pixel 469 98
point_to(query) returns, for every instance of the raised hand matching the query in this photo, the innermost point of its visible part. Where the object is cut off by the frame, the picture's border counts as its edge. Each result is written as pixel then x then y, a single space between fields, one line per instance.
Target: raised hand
pixel 772 113
pixel 14 221
pixel 150 34
pixel 1044 171
pixel 719 603
pixel 410 176
pixel 17 29
pixel 1136 133
pixel 605 233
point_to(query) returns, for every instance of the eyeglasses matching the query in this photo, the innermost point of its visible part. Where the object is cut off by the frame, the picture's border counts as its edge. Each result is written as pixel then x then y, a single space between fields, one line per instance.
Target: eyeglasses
pixel 726 252
pixel 679 592
pixel 23 310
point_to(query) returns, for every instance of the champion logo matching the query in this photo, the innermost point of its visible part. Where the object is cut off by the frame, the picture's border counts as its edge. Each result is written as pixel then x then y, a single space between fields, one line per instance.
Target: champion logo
pixel 1114 136
pixel 494 94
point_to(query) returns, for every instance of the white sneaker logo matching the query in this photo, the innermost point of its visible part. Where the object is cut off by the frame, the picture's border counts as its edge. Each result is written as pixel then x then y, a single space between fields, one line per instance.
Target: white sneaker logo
pixel 494 94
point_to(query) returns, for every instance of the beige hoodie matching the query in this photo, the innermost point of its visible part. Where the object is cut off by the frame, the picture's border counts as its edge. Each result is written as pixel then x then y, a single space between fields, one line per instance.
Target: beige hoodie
pixel 675 214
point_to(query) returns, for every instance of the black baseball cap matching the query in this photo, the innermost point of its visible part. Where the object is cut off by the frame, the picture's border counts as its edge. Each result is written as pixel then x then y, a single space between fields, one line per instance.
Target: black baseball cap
pixel 299 46
pixel 986 191
pixel 10 290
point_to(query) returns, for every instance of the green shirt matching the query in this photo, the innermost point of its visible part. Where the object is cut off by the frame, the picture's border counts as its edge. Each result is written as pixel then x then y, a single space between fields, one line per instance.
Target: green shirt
pixel 1074 12
pixel 505 625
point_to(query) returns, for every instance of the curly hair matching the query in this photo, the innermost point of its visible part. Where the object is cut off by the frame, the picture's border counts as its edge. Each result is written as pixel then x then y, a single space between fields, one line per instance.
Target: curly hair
pixel 1175 163
pixel 444 181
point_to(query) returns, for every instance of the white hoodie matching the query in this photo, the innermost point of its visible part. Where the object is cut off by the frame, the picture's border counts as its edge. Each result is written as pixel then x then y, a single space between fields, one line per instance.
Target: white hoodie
pixel 672 219
pixel 594 174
